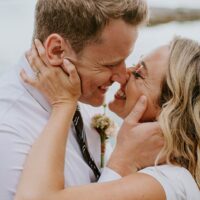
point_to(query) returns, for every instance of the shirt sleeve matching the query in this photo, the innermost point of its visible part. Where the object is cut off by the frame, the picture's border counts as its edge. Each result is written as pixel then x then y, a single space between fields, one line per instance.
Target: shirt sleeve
pixel 13 152
pixel 167 177
pixel 108 175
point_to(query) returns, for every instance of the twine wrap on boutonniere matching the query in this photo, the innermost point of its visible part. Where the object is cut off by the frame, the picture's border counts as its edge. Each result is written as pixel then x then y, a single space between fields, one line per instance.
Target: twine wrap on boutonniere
pixel 106 128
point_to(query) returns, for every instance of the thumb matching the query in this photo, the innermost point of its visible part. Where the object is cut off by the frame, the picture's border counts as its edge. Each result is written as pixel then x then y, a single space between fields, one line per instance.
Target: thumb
pixel 138 110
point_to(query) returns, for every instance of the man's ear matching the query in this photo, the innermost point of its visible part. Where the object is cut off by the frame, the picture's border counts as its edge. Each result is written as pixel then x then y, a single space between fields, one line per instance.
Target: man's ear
pixel 57 49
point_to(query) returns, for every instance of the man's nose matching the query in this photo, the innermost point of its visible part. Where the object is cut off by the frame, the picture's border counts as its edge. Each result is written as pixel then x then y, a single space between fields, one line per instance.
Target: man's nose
pixel 119 73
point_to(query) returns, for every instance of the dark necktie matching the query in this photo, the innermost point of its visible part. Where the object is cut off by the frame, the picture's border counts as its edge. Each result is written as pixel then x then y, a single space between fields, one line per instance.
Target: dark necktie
pixel 82 141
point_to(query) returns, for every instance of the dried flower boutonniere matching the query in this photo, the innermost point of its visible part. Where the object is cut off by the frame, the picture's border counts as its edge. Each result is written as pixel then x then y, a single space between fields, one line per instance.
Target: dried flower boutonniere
pixel 106 128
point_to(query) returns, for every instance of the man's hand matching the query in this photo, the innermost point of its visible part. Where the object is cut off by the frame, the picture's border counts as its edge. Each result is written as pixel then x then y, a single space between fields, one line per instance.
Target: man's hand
pixel 138 144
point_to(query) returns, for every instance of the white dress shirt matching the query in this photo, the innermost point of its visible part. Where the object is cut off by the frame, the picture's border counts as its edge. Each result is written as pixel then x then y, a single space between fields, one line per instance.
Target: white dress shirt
pixel 23 114
pixel 177 182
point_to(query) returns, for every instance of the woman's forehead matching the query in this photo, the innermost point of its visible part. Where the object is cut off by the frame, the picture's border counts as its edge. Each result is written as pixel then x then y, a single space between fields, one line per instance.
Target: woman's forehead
pixel 159 56
pixel 158 53
pixel 156 63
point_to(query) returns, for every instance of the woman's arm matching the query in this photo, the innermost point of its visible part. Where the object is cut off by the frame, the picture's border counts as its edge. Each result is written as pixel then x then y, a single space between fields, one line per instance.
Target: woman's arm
pixel 133 187
pixel 44 166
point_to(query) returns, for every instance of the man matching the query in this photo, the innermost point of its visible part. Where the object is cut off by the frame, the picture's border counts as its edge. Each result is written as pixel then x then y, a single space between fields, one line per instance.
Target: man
pixel 97 36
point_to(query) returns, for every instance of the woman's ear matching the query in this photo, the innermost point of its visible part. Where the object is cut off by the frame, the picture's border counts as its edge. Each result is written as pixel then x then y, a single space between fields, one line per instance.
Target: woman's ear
pixel 57 48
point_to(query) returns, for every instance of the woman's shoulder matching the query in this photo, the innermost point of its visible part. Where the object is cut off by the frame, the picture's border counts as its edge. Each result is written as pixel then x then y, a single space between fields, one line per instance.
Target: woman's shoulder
pixel 177 182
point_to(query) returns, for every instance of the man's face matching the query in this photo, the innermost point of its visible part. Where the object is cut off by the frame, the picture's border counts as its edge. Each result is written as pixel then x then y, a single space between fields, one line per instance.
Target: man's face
pixel 102 63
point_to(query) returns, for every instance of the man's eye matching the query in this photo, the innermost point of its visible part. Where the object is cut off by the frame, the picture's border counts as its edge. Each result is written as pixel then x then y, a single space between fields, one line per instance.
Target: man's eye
pixel 137 75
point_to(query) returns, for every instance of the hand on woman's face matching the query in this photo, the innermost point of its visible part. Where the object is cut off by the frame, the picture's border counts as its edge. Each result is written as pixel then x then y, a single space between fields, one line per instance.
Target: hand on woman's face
pixel 144 79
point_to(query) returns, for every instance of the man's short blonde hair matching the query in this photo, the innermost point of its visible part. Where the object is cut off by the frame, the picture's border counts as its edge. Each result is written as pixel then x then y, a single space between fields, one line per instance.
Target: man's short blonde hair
pixel 81 21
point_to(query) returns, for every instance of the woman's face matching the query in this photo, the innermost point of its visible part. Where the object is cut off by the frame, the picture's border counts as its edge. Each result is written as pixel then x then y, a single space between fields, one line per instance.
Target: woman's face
pixel 145 79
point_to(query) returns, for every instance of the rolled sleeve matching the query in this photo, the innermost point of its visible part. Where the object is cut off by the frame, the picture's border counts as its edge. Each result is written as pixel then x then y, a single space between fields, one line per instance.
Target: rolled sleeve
pixel 108 175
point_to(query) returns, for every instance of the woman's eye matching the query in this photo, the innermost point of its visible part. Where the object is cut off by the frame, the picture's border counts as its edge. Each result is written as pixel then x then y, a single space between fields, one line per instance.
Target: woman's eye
pixel 137 75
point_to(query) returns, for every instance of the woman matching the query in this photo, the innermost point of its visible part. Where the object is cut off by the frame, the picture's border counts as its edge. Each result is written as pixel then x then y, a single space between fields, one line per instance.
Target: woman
pixel 170 79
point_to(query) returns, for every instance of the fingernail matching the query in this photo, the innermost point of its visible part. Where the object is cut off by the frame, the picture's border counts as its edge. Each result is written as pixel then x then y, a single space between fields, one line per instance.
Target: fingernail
pixel 66 61
pixel 36 40
pixel 143 99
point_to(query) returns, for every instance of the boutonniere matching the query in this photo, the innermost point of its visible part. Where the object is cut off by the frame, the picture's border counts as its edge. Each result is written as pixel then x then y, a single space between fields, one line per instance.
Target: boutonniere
pixel 106 128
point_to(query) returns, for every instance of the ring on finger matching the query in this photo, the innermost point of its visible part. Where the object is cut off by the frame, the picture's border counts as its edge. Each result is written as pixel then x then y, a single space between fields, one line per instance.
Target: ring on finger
pixel 37 74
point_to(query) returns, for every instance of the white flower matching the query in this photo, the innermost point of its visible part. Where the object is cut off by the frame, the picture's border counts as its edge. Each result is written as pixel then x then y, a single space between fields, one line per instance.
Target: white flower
pixel 104 124
pixel 112 130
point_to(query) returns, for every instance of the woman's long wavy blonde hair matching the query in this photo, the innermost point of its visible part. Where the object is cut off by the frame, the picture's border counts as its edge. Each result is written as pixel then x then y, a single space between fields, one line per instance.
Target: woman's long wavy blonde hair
pixel 180 102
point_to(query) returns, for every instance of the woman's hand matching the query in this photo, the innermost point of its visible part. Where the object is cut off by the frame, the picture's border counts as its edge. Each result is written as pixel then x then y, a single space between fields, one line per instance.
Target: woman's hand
pixel 138 144
pixel 60 85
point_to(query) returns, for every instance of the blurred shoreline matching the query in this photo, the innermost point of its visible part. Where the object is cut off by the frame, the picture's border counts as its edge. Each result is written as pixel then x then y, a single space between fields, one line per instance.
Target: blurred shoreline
pixel 173 10
pixel 160 15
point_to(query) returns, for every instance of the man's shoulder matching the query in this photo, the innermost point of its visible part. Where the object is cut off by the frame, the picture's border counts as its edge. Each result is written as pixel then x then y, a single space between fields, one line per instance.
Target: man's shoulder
pixel 10 91
pixel 15 100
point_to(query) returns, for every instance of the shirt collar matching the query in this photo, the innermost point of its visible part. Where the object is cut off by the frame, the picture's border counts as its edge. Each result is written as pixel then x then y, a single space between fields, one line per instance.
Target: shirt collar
pixel 36 94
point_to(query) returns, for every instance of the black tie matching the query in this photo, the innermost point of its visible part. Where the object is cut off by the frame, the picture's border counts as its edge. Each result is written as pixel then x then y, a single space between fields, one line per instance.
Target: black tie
pixel 82 141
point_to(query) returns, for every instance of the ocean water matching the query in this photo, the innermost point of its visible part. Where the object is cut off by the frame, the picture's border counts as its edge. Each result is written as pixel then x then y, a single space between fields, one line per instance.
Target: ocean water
pixel 16 27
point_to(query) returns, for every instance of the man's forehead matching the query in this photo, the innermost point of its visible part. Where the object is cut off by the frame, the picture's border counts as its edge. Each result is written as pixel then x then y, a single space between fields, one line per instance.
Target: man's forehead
pixel 114 56
pixel 110 59
pixel 101 53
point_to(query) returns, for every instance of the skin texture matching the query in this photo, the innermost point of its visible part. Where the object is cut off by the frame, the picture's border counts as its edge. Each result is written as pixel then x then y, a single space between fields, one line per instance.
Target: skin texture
pixel 146 81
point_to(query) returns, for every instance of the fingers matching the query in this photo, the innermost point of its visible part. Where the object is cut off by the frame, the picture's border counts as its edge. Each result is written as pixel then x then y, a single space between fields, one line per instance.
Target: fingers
pixel 26 79
pixel 41 51
pixel 70 69
pixel 34 59
pixel 36 56
pixel 137 112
